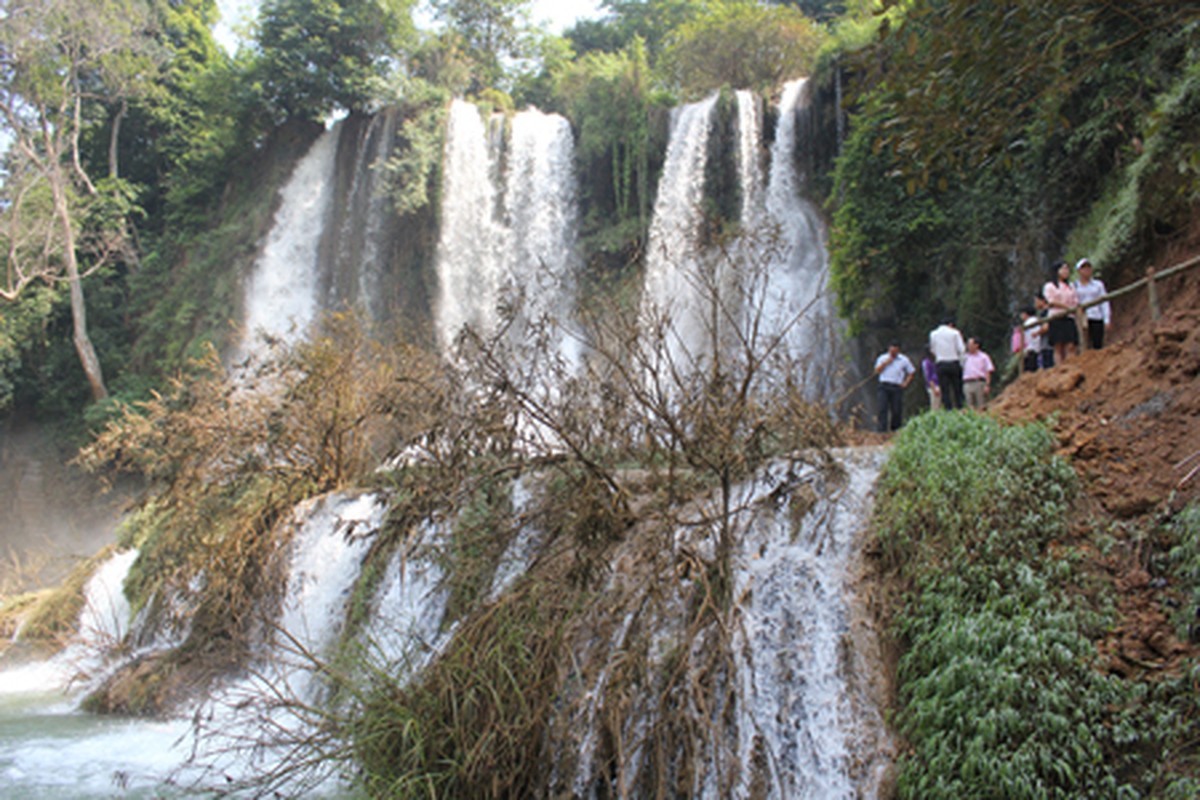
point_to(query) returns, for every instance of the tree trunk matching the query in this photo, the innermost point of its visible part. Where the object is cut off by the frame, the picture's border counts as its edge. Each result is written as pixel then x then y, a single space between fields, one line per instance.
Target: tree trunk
pixel 114 138
pixel 83 343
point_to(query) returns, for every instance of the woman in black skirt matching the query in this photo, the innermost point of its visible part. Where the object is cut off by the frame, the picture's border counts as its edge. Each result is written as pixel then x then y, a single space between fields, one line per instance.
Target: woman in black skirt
pixel 1061 297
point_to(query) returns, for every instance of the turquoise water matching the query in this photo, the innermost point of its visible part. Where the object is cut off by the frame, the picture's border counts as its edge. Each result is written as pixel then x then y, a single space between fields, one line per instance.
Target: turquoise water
pixel 49 750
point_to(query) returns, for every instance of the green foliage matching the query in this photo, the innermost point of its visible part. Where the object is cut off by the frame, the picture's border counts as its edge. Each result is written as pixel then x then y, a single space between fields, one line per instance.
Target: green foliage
pixel 413 170
pixel 609 99
pixel 743 46
pixel 489 32
pixel 885 235
pixel 999 693
pixel 966 80
pixel 472 724
pixel 1185 560
pixel 322 55
pixel 980 135
pixel 651 21
pixel 954 478
pixel 1162 185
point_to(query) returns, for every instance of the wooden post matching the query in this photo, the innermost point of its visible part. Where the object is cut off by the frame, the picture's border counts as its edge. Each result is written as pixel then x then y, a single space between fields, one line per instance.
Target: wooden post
pixel 1155 312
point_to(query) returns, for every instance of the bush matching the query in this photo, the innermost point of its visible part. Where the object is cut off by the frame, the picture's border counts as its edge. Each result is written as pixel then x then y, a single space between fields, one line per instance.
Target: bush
pixel 998 691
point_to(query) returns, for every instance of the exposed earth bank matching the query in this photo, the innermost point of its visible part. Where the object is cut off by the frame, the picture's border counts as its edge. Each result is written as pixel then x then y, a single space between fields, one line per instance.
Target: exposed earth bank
pixel 1127 417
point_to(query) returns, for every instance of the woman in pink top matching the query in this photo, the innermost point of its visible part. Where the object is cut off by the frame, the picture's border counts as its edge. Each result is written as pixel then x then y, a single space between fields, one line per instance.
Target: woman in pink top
pixel 1061 297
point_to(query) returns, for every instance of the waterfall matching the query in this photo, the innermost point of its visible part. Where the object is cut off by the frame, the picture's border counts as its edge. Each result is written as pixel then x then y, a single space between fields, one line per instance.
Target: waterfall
pixel 540 199
pixel 358 242
pixel 253 725
pixel 473 240
pixel 507 250
pixel 101 627
pixel 770 285
pixel 281 291
pixel 677 285
pixel 799 710
pixel 749 141
pixel 798 301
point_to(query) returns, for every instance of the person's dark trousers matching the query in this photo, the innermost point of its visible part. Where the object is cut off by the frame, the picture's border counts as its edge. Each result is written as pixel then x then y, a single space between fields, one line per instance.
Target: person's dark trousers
pixel 950 379
pixel 1047 358
pixel 1031 361
pixel 891 405
pixel 1095 333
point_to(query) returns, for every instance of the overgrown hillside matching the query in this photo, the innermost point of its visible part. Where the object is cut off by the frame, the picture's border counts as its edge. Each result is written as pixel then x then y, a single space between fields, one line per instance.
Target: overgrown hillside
pixel 1044 578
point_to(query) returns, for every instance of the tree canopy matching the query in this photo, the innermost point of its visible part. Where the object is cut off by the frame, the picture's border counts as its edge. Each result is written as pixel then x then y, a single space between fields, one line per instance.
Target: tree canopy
pixel 321 55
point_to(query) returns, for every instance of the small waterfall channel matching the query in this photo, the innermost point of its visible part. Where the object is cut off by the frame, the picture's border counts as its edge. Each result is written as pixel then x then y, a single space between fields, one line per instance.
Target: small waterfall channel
pixel 49 749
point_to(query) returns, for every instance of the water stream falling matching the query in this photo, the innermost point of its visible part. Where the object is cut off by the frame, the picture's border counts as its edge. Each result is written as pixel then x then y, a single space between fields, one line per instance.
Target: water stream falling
pixel 507 251
pixel 50 750
pixel 678 282
pixel 798 296
pixel 281 291
pixel 473 238
pixel 800 712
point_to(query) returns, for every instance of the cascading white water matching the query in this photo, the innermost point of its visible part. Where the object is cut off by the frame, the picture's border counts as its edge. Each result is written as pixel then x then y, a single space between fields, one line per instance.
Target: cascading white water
pixel 676 274
pixel 281 291
pixel 749 133
pixel 406 624
pixel 799 712
pixel 102 625
pixel 472 240
pixel 797 298
pixel 47 748
pixel 771 283
pixel 252 726
pixel 541 205
pixel 507 248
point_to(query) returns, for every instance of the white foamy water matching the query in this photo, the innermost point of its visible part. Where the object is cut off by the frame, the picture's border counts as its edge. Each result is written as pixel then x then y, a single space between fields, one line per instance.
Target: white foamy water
pixel 541 204
pixel 253 726
pixel 507 249
pixel 798 302
pixel 103 623
pixel 677 283
pixel 406 629
pixel 48 749
pixel 472 239
pixel 281 291
pixel 797 706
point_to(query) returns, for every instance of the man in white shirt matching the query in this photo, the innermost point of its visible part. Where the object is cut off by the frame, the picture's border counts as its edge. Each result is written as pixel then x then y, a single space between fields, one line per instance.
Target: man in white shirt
pixel 895 372
pixel 946 344
pixel 1032 340
pixel 1099 316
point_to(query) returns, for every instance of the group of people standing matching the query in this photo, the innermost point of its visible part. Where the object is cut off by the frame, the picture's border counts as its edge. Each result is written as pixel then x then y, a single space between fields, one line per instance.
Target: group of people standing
pixel 1058 303
pixel 958 373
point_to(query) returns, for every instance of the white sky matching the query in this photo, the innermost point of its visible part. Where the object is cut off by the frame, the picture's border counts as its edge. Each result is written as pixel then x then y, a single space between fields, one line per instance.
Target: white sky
pixel 558 14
